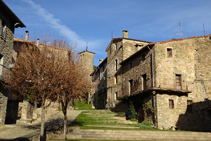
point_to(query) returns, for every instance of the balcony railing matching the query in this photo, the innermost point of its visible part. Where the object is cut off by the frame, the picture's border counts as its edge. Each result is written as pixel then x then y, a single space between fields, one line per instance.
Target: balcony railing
pixel 171 84
pixel 161 84
pixel 137 87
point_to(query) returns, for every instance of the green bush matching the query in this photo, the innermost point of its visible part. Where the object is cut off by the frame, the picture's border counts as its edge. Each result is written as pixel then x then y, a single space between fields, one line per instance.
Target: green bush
pixel 145 122
pixel 121 114
pixel 132 111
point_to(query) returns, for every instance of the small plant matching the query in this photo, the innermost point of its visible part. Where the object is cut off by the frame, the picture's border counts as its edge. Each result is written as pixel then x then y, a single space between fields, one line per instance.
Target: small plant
pixel 121 114
pixel 60 109
pixel 147 107
pixel 144 125
pixel 133 119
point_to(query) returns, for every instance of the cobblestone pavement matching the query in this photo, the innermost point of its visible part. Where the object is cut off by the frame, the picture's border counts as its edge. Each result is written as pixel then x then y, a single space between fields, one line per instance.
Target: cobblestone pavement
pixel 55 121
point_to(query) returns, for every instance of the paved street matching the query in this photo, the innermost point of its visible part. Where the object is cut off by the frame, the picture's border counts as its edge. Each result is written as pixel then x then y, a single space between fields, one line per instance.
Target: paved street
pixel 55 121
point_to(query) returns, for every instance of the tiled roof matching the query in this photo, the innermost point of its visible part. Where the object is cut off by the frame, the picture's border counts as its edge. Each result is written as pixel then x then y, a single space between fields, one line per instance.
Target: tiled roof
pixel 178 39
pixel 86 51
pixel 126 39
pixel 32 42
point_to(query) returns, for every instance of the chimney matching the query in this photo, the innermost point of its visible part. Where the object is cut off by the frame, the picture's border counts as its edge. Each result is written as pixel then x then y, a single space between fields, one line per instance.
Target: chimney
pixel 27 35
pixel 125 33
pixel 38 42
pixel 101 60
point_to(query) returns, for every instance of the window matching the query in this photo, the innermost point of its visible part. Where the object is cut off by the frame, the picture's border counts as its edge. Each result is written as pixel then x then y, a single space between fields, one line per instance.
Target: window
pixel 130 86
pixel 3 31
pixel 171 104
pixel 1 64
pixel 178 82
pixel 69 55
pixel 115 79
pixel 115 96
pixel 103 68
pixel 189 106
pixel 169 52
pixel 144 82
pixel 115 46
pixel 116 64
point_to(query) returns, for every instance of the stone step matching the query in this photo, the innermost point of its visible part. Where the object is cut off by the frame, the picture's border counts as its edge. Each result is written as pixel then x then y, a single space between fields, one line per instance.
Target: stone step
pixel 140 135
pixel 144 132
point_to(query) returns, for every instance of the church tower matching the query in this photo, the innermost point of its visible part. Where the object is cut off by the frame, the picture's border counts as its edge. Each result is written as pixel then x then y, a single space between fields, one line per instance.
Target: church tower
pixel 86 59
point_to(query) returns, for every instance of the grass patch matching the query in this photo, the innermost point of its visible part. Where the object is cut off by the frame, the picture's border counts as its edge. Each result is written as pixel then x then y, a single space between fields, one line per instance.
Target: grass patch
pixel 145 125
pixel 97 117
pixel 82 106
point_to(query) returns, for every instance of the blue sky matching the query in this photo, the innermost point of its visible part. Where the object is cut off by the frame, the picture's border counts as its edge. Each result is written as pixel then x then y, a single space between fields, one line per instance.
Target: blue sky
pixel 82 21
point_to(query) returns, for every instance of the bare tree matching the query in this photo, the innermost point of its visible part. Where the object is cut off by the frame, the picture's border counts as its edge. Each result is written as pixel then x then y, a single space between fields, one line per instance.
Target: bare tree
pixel 71 82
pixel 47 72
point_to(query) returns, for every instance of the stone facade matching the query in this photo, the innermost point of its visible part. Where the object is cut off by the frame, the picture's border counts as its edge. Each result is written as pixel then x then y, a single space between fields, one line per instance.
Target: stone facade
pixel 8 22
pixel 99 85
pixel 86 59
pixel 172 76
pixel 118 51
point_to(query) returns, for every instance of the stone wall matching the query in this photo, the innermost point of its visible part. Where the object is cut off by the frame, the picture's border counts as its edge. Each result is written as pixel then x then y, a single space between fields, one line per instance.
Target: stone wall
pixel 195 84
pixel 86 59
pixel 99 85
pixel 118 76
pixel 6 45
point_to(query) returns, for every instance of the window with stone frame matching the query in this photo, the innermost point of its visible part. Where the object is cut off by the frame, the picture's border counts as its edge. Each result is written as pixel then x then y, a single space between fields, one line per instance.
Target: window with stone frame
pixel 171 104
pixel 130 86
pixel 3 30
pixel 69 55
pixel 189 106
pixel 178 82
pixel 115 96
pixel 169 52
pixel 115 46
pixel 116 64
pixel 1 64
pixel 115 79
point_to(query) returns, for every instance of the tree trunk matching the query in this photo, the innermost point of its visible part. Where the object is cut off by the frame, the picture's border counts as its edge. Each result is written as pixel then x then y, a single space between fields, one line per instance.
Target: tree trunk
pixel 64 109
pixel 42 130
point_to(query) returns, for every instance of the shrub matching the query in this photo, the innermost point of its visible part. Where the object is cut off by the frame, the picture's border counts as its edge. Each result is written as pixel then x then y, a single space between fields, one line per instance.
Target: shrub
pixel 144 125
pixel 132 111
pixel 121 114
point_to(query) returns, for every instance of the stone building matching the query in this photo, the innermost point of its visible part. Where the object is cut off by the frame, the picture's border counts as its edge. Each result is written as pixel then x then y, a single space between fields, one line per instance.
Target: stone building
pixel 99 85
pixel 8 22
pixel 86 60
pixel 168 82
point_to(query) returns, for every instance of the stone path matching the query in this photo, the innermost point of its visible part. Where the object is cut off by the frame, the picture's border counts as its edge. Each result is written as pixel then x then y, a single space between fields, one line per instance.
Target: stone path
pixel 55 121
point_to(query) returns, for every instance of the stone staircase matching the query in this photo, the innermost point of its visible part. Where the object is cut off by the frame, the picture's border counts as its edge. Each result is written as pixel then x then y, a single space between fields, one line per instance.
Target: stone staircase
pixel 139 135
